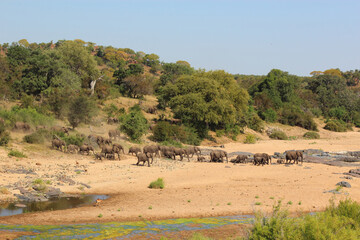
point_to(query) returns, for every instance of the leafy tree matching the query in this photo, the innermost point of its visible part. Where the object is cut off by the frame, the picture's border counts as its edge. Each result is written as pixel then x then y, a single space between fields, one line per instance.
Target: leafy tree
pixel 352 77
pixel 80 111
pixel 24 43
pixel 151 60
pixel 137 86
pixel 134 124
pixel 206 99
pixel 79 61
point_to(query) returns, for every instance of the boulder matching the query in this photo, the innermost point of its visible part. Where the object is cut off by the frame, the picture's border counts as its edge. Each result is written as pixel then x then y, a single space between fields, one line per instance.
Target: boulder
pixel 344 184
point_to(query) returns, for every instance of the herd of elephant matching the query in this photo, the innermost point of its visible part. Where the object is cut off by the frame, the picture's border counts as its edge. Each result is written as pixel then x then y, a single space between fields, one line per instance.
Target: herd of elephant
pixel 110 150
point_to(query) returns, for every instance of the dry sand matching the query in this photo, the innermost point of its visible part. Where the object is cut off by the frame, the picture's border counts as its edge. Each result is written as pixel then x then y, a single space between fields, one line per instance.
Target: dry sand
pixel 192 189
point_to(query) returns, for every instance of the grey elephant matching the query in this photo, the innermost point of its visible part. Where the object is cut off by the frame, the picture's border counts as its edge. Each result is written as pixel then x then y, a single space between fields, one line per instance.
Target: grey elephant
pixel 267 157
pixel 72 148
pixel 22 126
pixel 218 156
pixel 120 147
pixel 117 150
pixel 86 149
pixel 107 150
pixel 114 134
pixel 181 152
pixel 239 159
pixel 293 156
pixel 134 149
pixel 152 149
pixel 144 157
pixel 169 154
pixel 58 144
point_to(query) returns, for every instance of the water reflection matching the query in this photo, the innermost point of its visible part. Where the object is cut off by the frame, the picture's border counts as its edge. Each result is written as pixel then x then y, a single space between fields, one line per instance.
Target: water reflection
pixel 9 209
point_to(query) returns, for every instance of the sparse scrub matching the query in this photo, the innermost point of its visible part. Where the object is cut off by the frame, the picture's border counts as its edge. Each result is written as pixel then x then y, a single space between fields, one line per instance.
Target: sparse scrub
pixel 16 153
pixel 4 135
pixel 158 184
pixel 258 203
pixel 336 222
pixel 311 135
pixel 250 139
pixel 38 137
pixel 337 126
pixel 4 190
pixel 279 135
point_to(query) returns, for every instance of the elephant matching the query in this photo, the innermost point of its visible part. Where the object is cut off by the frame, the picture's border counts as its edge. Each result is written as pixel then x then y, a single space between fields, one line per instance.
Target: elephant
pixel 163 149
pixel 86 148
pixel 112 120
pixel 151 110
pixel 99 140
pixel 293 155
pixel 22 126
pixel 267 157
pixel 72 148
pixel 114 134
pixel 134 150
pixel 193 150
pixel 181 152
pixel 119 147
pixel 239 159
pixel 153 149
pixel 111 156
pixel 259 160
pixel 218 156
pixel 144 157
pixel 99 156
pixel 60 129
pixel 117 150
pixel 107 150
pixel 169 154
pixel 201 159
pixel 107 141
pixel 58 144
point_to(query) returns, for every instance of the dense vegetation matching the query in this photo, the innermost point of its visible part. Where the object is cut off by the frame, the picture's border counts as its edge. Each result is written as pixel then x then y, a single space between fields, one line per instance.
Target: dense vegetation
pixel 69 80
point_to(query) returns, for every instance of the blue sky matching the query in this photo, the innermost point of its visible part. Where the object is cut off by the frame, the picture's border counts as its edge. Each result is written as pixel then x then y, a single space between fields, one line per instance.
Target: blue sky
pixel 246 37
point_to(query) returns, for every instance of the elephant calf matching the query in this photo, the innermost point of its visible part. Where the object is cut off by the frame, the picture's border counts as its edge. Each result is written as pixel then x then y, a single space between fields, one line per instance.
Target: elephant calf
pixel 142 157
pixel 134 149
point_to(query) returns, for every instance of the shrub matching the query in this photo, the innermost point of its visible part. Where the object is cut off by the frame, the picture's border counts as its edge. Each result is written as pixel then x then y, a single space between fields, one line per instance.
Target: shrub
pixel 16 153
pixel 37 137
pixel 250 139
pixel 134 124
pixel 75 140
pixel 159 183
pixel 28 115
pixel 81 110
pixel 4 135
pixel 337 126
pixel 254 122
pixel 279 135
pixel 166 132
pixel 311 135
pixel 336 222
pixel 269 115
pixel 294 116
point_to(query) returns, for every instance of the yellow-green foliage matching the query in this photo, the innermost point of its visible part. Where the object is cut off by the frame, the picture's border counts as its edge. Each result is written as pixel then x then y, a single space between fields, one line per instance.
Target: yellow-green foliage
pixel 336 222
pixel 311 135
pixel 159 183
pixel 16 153
pixel 250 139
pixel 279 135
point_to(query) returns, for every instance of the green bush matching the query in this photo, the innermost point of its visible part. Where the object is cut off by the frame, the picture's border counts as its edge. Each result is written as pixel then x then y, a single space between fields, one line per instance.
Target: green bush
pixel 16 153
pixel 220 132
pixel 159 183
pixel 38 137
pixel 28 115
pixel 337 126
pixel 4 135
pixel 294 116
pixel 269 115
pixel 311 135
pixel 250 139
pixel 164 131
pixel 81 110
pixel 74 140
pixel 254 122
pixel 336 222
pixel 134 124
pixel 279 135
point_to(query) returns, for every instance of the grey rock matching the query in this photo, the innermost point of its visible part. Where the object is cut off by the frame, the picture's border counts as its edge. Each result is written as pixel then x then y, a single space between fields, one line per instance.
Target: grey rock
pixel 54 193
pixel 344 184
